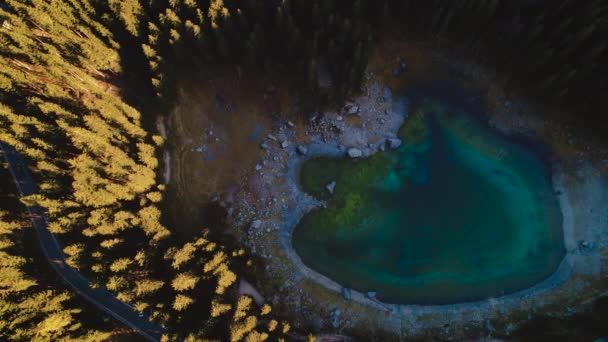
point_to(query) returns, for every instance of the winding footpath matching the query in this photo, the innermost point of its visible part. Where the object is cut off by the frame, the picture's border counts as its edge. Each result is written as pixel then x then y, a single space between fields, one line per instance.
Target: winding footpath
pixel 100 298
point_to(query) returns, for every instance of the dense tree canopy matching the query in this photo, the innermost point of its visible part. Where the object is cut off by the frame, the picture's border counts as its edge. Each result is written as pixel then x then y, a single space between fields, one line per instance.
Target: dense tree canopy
pixel 553 49
pixel 96 166
pixel 30 311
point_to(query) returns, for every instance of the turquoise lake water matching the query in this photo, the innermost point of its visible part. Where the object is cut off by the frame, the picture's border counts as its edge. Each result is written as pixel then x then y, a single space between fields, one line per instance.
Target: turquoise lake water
pixel 457 213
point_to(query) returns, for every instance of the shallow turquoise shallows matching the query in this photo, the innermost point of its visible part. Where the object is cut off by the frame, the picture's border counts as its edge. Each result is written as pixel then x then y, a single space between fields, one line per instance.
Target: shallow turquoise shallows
pixel 456 214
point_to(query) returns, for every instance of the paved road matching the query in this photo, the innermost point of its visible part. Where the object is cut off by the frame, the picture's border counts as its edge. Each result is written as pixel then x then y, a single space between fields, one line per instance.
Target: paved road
pixel 101 298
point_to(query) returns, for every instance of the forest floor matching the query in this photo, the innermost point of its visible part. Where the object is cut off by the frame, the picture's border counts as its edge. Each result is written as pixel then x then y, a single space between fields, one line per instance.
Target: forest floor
pixel 215 130
pixel 233 142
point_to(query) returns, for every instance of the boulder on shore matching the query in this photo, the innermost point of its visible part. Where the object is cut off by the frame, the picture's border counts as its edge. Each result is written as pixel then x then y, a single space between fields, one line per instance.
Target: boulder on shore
pixel 331 187
pixel 393 143
pixel 354 152
pixel 351 109
pixel 334 318
pixel 301 149
pixel 256 224
pixel 346 293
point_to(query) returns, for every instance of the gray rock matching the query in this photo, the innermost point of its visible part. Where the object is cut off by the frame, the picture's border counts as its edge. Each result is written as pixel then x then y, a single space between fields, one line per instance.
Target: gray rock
pixel 346 293
pixel 284 144
pixel 334 318
pixel 354 152
pixel 264 146
pixel 272 137
pixel 256 224
pixel 393 143
pixel 371 295
pixel 382 146
pixel 258 167
pixel 338 127
pixel 488 325
pixel 331 187
pixel 351 109
pixel 339 118
pixel 291 124
pixel 302 150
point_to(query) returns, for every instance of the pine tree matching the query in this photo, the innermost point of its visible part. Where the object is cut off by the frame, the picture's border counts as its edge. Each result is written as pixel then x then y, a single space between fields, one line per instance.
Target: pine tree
pixel 184 281
pixel 130 12
pixel 182 302
pixel 183 255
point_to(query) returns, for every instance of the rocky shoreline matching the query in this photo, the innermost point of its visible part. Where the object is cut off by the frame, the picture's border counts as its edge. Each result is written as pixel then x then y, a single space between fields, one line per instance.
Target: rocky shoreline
pixel 366 132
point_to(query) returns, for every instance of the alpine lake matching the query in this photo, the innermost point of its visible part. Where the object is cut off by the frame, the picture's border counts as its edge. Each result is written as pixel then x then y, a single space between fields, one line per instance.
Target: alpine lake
pixel 456 213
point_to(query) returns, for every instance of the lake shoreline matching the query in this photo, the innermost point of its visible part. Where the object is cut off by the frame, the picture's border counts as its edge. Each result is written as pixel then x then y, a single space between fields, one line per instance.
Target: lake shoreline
pixel 308 203
pixel 503 314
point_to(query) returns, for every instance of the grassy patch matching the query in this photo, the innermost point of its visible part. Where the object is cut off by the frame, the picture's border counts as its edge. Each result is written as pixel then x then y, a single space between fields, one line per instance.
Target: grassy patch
pixel 415 128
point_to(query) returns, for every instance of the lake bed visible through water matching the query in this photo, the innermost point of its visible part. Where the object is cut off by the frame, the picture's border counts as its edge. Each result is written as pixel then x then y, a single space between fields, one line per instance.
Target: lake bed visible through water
pixel 456 213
